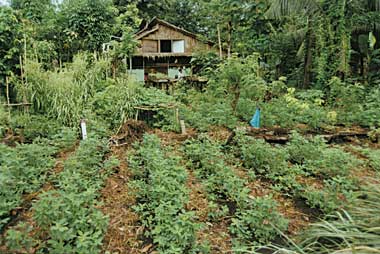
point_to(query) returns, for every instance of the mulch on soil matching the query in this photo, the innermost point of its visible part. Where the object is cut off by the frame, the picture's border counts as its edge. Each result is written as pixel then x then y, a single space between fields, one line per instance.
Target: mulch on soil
pixel 123 230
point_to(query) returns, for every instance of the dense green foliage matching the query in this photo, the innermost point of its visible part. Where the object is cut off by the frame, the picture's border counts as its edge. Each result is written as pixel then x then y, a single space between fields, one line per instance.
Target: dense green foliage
pixel 69 214
pixel 10 40
pixel 162 194
pixel 310 66
pixel 255 217
pixel 23 170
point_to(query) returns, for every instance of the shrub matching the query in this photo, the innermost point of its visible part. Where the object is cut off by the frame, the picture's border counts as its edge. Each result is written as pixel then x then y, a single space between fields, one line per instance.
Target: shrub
pixel 206 111
pixel 18 239
pixel 71 220
pixel 373 156
pixel 219 179
pixel 252 220
pixel 115 104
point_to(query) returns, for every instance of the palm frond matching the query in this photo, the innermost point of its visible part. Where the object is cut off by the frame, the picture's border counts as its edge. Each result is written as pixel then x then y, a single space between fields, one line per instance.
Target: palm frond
pixel 281 8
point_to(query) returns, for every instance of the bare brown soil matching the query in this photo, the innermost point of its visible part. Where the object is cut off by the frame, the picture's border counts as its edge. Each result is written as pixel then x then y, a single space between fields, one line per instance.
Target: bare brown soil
pixel 129 132
pixel 174 139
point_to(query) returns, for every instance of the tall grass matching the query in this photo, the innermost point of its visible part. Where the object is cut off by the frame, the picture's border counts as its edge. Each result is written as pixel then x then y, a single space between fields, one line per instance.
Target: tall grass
pixel 353 230
pixel 64 93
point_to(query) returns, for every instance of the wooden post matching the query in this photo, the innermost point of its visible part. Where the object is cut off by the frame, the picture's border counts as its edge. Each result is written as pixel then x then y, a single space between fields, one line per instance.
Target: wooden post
pixel 183 127
pixel 7 90
pixel 137 115
pixel 8 99
pixel 130 65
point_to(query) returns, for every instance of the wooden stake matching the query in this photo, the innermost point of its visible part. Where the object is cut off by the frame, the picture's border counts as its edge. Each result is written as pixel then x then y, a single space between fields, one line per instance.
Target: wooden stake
pixel 130 65
pixel 183 127
pixel 8 99
pixel 7 90
pixel 23 79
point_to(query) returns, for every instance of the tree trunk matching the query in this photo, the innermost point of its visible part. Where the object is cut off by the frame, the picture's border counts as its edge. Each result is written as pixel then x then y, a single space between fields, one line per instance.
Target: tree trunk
pixel 229 38
pixel 308 56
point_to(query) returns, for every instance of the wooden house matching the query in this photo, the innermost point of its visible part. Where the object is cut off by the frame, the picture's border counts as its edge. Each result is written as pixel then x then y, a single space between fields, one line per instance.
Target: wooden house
pixel 165 51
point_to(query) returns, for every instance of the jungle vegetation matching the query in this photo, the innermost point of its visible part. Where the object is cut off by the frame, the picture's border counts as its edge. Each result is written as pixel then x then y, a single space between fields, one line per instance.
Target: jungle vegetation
pixel 311 66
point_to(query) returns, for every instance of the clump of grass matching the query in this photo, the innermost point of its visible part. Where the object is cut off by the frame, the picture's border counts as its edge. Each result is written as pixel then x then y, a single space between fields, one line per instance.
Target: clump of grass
pixel 353 230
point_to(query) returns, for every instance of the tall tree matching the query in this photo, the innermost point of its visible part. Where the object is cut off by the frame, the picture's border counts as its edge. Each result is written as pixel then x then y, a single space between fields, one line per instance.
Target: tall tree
pixel 85 24
pixel 231 17
pixel 34 10
pixel 182 13
pixel 308 9
pixel 10 41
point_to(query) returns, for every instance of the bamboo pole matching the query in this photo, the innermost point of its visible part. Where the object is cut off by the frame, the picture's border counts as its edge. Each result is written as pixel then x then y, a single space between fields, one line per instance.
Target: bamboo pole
pixel 7 90
pixel 23 79
pixel 8 99
pixel 220 43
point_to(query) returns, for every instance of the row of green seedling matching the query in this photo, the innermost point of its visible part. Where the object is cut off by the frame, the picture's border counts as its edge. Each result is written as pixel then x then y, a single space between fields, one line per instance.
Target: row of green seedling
pixel 23 169
pixel 67 217
pixel 253 217
pixel 161 192
pixel 301 158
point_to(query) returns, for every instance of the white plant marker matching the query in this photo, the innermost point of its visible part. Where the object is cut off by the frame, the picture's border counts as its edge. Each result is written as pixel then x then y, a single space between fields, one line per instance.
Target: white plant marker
pixel 84 129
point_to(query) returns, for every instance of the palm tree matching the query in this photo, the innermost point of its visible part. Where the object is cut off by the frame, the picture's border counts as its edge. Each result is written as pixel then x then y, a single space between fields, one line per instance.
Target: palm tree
pixel 308 9
pixel 312 10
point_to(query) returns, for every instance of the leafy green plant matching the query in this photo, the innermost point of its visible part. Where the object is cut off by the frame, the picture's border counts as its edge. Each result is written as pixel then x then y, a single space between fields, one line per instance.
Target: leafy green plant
pixel 253 217
pixel 373 157
pixel 72 221
pixel 260 223
pixel 162 195
pixel 69 215
pixel 336 193
pixel 301 149
pixel 260 156
pixel 332 162
pixel 219 179
pixel 18 239
pixel 116 102
pixel 23 169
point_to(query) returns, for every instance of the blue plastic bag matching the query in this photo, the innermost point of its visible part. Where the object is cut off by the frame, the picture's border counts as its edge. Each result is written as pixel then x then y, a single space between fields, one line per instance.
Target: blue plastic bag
pixel 255 122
